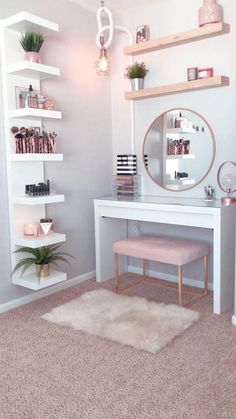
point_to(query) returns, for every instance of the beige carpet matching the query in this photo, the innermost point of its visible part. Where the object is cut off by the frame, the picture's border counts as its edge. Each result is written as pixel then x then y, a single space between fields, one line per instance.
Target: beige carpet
pixel 133 321
pixel 50 372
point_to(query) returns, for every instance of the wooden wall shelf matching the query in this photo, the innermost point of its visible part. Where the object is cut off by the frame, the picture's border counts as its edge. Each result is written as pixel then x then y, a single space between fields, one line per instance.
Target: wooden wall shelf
pixel 217 81
pixel 196 34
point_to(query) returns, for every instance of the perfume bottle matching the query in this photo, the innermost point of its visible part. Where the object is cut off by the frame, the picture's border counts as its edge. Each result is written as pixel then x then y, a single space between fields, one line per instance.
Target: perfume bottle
pixel 31 99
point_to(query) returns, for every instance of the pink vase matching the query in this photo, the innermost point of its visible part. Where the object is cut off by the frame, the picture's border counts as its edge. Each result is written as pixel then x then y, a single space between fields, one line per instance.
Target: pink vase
pixel 33 57
pixel 210 12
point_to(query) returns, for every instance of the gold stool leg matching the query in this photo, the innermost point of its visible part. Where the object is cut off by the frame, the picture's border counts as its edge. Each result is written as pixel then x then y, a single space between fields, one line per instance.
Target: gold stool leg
pixel 145 266
pixel 206 274
pixel 180 285
pixel 116 271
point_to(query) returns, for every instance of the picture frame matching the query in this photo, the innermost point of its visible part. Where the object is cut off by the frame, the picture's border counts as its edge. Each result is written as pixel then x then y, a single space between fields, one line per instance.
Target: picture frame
pixel 142 33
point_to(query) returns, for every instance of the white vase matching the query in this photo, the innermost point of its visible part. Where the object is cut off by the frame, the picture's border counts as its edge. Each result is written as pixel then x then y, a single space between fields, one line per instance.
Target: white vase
pixel 137 84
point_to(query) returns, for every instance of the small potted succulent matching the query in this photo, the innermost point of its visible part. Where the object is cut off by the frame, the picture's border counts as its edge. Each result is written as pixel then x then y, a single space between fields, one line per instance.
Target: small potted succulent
pixel 41 257
pixel 46 224
pixel 31 43
pixel 136 73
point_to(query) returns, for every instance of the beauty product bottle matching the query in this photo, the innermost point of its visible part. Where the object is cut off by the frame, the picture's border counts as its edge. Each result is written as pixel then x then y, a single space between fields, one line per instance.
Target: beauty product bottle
pixel 31 99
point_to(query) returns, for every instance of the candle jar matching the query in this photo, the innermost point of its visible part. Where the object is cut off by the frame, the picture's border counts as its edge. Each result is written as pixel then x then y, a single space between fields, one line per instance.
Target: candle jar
pixel 31 229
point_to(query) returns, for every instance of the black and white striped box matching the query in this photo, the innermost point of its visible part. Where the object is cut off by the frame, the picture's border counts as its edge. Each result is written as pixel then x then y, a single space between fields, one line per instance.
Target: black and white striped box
pixel 126 164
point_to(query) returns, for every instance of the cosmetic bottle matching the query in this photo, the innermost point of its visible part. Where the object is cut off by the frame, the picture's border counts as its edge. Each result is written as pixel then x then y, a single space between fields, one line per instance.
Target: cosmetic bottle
pixel 31 99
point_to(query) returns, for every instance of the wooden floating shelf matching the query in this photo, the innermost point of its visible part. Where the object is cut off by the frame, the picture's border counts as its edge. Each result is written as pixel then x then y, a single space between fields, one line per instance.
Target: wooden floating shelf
pixel 36 157
pixel 32 281
pixel 23 22
pixel 181 131
pixel 39 241
pixel 38 200
pixel 28 69
pixel 206 31
pixel 34 113
pixel 211 82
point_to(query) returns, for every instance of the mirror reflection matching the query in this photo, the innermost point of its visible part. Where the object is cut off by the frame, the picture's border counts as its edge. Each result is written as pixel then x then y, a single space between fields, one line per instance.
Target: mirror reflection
pixel 179 149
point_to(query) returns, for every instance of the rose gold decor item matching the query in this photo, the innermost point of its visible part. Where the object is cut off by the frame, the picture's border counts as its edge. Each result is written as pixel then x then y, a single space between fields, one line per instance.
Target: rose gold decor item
pixel 227 184
pixel 210 12
pixel 33 56
pixel 42 272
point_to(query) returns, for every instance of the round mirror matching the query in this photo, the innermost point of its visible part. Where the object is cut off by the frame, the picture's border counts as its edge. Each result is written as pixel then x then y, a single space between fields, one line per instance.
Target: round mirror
pixel 179 149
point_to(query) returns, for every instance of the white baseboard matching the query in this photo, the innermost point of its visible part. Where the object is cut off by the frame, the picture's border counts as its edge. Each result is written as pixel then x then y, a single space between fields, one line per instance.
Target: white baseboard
pixel 46 291
pixel 234 320
pixel 168 277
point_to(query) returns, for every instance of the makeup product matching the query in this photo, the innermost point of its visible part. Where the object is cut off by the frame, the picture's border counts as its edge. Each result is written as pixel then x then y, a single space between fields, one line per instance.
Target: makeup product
pixel 38 190
pixel 31 99
pixel 192 73
pixel 205 72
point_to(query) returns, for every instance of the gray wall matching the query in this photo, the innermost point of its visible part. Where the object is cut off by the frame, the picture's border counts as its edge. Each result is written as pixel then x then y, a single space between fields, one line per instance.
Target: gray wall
pixel 84 135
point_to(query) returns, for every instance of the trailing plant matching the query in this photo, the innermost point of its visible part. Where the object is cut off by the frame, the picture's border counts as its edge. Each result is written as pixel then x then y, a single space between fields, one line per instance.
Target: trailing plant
pixel 136 71
pixel 32 41
pixel 41 256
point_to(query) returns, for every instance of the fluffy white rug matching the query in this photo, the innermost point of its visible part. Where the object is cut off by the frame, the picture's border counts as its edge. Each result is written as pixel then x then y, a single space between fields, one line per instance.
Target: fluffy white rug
pixel 128 320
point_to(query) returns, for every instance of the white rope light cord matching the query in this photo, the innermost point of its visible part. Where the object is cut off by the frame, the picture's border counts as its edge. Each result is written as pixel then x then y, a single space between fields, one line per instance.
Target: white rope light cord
pixel 111 27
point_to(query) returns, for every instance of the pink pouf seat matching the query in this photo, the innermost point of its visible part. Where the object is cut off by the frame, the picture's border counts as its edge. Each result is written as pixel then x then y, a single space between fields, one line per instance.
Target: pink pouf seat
pixel 170 250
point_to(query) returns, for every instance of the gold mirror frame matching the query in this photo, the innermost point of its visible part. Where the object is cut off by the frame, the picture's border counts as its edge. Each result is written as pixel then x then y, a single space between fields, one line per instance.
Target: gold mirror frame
pixel 213 151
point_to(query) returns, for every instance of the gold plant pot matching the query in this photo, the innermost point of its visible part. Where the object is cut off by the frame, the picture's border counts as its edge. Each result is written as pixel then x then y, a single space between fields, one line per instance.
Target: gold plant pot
pixel 42 272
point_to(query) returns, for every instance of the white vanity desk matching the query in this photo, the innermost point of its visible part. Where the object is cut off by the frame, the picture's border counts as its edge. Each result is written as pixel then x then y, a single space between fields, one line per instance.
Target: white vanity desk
pixel 112 214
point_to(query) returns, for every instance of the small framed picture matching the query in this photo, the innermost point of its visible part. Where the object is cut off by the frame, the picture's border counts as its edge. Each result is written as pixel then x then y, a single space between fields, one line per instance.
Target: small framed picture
pixel 142 33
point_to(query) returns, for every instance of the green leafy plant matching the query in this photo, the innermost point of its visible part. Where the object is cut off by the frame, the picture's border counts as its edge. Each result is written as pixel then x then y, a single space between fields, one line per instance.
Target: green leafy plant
pixel 32 41
pixel 136 71
pixel 41 256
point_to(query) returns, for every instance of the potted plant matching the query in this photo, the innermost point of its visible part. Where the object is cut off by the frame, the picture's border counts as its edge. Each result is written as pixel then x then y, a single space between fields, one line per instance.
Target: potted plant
pixel 31 43
pixel 46 224
pixel 41 258
pixel 136 73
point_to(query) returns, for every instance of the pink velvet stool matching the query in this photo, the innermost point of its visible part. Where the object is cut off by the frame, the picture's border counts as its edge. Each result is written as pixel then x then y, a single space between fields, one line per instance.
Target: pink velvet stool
pixel 170 250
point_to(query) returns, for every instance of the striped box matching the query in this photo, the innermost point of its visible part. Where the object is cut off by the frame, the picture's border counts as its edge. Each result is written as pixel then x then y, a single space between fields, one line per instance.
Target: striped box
pixel 126 164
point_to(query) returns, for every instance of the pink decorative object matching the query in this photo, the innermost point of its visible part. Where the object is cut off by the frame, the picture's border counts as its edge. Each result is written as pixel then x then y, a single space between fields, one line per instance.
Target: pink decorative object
pixel 33 56
pixel 31 229
pixel 210 12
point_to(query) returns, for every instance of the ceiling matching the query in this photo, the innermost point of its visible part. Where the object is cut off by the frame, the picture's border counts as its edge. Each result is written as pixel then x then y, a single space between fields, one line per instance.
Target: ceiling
pixel 118 6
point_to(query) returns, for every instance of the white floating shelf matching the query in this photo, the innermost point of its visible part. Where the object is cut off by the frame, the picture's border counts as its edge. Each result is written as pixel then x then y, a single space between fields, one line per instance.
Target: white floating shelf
pixel 181 182
pixel 38 200
pixel 32 281
pixel 181 130
pixel 35 242
pixel 180 157
pixel 34 113
pixel 32 70
pixel 36 157
pixel 23 22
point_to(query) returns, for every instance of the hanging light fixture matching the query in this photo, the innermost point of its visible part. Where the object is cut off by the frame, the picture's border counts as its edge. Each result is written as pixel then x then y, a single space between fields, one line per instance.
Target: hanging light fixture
pixel 102 65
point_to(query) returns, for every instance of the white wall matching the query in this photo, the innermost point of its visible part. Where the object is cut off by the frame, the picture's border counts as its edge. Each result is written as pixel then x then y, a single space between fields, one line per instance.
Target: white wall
pixel 167 66
pixel 84 135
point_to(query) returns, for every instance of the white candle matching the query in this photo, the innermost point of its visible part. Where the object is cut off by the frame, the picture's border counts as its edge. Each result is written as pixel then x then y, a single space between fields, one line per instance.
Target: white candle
pixel 31 229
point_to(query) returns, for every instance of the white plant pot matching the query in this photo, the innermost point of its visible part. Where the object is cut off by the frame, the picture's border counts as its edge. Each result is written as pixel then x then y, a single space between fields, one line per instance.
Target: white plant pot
pixel 46 227
pixel 137 84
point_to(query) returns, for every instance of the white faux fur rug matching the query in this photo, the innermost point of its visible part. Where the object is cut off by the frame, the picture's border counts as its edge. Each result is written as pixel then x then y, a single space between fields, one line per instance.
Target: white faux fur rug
pixel 128 320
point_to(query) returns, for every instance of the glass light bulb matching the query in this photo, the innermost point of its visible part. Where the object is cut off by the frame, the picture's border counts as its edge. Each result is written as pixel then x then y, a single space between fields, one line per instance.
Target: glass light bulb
pixel 103 65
